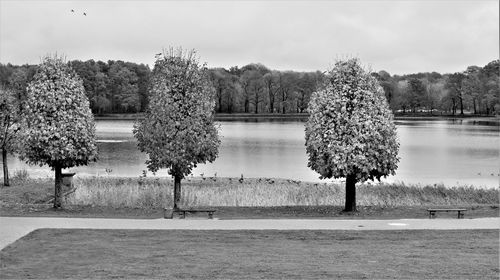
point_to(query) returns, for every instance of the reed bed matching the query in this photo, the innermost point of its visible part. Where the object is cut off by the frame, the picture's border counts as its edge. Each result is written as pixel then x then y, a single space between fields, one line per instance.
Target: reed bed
pixel 198 192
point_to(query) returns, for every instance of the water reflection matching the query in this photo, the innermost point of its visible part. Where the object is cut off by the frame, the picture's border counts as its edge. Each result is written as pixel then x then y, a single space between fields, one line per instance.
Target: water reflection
pixel 431 152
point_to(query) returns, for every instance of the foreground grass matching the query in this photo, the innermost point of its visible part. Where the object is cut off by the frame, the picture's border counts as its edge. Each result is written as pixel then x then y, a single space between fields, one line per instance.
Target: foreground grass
pixel 265 192
pixel 76 254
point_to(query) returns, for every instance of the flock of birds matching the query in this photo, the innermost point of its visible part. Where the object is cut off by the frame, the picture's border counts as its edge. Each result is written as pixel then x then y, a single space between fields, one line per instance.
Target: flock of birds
pixel 84 13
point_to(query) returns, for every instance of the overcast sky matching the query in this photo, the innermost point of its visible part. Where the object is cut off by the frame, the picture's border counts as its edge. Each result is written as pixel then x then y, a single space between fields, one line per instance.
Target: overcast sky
pixel 397 36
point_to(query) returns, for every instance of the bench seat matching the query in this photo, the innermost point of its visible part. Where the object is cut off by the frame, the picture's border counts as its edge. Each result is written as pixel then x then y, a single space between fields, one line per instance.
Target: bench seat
pixel 184 211
pixel 432 212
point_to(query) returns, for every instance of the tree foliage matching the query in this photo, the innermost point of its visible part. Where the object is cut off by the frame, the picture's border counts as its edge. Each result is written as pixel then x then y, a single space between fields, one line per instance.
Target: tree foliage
pixel 350 132
pixel 59 126
pixel 9 119
pixel 121 87
pixel 178 130
pixel 9 127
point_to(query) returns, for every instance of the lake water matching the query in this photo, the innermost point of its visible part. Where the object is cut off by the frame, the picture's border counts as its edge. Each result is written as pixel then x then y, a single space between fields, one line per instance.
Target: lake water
pixel 439 151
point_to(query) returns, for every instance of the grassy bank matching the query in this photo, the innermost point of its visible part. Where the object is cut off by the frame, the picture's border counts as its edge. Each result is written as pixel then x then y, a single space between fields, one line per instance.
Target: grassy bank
pixel 251 192
pixel 151 193
pixel 264 254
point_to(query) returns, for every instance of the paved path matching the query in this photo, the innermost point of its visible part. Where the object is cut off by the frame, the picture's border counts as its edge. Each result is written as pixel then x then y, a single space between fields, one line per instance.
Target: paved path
pixel 12 228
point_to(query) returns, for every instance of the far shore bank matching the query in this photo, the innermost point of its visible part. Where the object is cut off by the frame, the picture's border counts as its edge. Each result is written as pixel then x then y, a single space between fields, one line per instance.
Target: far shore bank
pixel 488 120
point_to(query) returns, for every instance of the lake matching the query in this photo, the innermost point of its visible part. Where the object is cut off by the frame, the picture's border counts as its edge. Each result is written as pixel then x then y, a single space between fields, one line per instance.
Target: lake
pixel 452 152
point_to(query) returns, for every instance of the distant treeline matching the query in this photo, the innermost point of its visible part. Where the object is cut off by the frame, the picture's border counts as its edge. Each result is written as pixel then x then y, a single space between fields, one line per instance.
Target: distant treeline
pixel 122 87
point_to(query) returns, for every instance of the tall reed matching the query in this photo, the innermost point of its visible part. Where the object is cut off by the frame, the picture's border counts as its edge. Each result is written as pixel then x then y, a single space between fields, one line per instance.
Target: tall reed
pixel 158 193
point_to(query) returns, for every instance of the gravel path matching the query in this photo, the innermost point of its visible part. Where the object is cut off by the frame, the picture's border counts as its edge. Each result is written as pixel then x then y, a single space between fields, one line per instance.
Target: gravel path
pixel 13 228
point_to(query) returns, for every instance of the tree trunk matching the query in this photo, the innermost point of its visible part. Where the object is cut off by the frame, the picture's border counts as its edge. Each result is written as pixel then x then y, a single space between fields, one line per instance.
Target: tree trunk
pixel 256 103
pixel 474 104
pixel 220 102
pixel 246 105
pixel 58 187
pixel 283 99
pixel 454 108
pixel 350 193
pixel 271 104
pixel 177 191
pixel 461 106
pixel 5 168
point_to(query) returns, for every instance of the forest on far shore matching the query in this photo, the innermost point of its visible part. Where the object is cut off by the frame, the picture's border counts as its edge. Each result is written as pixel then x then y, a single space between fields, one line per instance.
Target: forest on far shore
pixel 122 87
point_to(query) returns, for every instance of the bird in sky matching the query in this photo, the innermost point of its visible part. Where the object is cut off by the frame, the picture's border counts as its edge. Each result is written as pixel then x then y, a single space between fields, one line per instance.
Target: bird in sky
pixel 85 14
pixel 72 10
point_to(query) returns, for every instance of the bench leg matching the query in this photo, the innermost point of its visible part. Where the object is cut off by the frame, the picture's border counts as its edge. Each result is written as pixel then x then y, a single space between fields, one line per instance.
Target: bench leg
pixel 210 215
pixel 432 214
pixel 460 214
pixel 183 215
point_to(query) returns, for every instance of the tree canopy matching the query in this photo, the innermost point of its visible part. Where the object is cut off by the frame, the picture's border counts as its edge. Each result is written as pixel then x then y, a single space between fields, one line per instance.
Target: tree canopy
pixel 178 130
pixel 59 128
pixel 350 133
pixel 122 87
pixel 9 127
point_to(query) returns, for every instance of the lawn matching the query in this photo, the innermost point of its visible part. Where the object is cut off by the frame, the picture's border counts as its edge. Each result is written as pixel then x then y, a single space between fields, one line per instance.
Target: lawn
pixel 58 253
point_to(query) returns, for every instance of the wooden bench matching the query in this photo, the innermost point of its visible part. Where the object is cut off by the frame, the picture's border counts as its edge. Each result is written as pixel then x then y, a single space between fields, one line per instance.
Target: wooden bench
pixel 432 212
pixel 183 212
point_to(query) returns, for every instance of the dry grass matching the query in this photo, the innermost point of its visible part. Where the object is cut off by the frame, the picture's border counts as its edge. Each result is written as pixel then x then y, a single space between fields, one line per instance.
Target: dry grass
pixel 157 193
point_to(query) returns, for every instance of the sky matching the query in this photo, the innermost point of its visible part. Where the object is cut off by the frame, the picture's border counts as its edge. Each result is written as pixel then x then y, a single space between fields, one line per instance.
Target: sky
pixel 400 37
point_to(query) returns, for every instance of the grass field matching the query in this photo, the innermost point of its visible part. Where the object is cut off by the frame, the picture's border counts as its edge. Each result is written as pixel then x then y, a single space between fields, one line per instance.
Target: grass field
pixel 134 254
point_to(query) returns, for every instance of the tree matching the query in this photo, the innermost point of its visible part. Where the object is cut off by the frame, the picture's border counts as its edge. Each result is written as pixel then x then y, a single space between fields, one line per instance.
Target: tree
pixel 472 86
pixel 18 81
pixel 257 87
pixel 9 127
pixel 102 95
pixel 435 94
pixel 400 98
pixel 456 91
pixel 218 80
pixel 178 130
pixel 233 92
pixel 270 81
pixel 125 89
pixel 350 132
pixel 305 86
pixel 388 85
pixel 286 84
pixel 490 81
pixel 245 80
pixel 59 126
pixel 416 93
pixel 87 71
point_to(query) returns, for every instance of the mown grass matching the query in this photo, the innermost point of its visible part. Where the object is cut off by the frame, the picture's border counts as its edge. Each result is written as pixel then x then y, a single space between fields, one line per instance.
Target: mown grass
pixel 251 192
pixel 243 254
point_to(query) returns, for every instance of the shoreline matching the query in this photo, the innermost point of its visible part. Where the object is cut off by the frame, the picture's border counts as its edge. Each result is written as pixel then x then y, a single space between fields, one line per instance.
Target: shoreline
pixel 489 120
